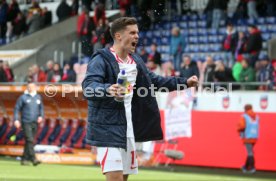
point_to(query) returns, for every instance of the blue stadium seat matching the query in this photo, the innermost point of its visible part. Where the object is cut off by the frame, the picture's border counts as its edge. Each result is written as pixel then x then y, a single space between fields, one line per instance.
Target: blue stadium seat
pixel 212 31
pixel 204 48
pixel 265 36
pixel 157 33
pixel 222 31
pixel 192 32
pixel 220 38
pixel 193 39
pixel 271 28
pixel 270 20
pixel 261 21
pixel 165 41
pixel 192 24
pixel 193 17
pixel 165 49
pixel 183 25
pixel 251 21
pixel 202 31
pixel 263 28
pixel 149 34
pixel 165 57
pixel 184 18
pixel 241 22
pixel 216 47
pixel 166 33
pixel 242 28
pixel 202 24
pixel 203 39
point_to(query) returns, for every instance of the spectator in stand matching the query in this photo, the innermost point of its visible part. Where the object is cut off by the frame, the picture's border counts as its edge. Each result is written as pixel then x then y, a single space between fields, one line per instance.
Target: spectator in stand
pixel 100 34
pixel 49 70
pixel 57 73
pixel 222 73
pixel 241 11
pixel 270 5
pixel 75 7
pixel 274 75
pixel 265 73
pixel 38 74
pixel 8 71
pixel 46 17
pixel 3 77
pixel 209 71
pixel 64 11
pixel 144 54
pixel 248 128
pixel 177 47
pixel 125 7
pixel 144 7
pixel 252 9
pixel 209 14
pixel 29 76
pixel 3 20
pixel 34 21
pixel 239 51
pixel 168 70
pixel 99 14
pixel 154 60
pixel 35 7
pixel 19 26
pixel 13 10
pixel 247 75
pixel 229 45
pixel 69 75
pixel 87 4
pixel 12 14
pixel 253 45
pixel 188 67
pixel 219 12
pixel 85 30
pixel 236 71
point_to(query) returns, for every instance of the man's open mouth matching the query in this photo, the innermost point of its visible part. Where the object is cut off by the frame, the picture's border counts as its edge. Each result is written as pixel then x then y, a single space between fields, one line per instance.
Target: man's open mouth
pixel 134 44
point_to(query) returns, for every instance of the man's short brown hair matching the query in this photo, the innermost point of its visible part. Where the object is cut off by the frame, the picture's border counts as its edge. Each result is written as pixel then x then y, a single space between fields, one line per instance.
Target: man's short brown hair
pixel 120 24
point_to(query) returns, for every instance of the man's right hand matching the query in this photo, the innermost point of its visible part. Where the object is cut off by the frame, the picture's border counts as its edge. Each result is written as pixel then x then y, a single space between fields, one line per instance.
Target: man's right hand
pixel 17 124
pixel 116 90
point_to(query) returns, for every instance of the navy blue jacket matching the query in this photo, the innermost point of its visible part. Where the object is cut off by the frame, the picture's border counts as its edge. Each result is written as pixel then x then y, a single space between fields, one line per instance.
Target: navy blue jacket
pixel 30 107
pixel 107 125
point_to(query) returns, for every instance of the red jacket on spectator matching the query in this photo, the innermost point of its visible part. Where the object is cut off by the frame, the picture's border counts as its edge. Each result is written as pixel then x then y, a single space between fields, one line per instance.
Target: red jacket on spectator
pixel 39 77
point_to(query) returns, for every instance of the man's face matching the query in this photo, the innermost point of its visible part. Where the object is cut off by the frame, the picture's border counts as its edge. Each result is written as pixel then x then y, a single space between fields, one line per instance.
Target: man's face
pixel 209 60
pixel 244 64
pixel 153 48
pixel 128 38
pixel 31 87
pixel 187 60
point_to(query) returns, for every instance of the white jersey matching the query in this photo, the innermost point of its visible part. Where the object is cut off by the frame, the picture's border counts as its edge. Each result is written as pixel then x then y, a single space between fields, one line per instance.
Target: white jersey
pixel 130 68
pixel 118 159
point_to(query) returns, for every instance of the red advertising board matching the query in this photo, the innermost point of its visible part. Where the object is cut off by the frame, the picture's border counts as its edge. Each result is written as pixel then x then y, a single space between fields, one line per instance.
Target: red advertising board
pixel 215 141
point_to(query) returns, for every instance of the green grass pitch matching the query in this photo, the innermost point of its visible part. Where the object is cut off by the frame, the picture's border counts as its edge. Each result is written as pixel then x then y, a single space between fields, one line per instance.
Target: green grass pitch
pixel 11 170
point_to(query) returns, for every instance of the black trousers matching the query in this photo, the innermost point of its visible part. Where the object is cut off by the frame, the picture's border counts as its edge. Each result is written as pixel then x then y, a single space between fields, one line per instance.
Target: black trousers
pixel 29 130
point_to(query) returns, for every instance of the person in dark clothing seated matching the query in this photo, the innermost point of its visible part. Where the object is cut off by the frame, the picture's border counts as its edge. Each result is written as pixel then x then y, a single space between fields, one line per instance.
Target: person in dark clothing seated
pixel 10 134
pixel 188 67
pixel 223 74
pixel 69 75
pixel 66 134
pixel 78 132
pixel 44 131
pixel 3 128
pixel 55 132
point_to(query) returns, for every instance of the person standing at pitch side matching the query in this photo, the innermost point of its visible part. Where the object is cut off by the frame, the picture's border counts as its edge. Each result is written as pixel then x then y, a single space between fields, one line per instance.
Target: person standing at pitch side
pixel 32 112
pixel 113 127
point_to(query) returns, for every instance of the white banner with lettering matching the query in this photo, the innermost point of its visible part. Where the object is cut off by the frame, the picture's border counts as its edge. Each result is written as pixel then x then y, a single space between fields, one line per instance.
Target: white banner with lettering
pixel 177 118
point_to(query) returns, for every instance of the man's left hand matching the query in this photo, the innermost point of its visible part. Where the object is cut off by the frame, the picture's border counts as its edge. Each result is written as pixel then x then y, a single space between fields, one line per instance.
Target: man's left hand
pixel 39 120
pixel 192 81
